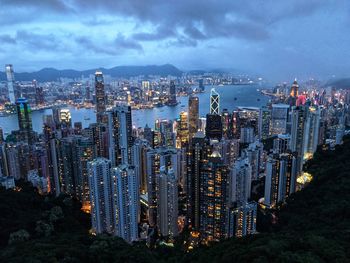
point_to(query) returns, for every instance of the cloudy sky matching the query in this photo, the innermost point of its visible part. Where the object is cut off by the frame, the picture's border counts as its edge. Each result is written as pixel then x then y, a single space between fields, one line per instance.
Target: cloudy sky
pixel 280 39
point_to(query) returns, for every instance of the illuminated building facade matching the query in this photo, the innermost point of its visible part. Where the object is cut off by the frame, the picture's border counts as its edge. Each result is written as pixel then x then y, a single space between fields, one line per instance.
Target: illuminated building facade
pixel 281 175
pixel 126 202
pixel 10 83
pixel 167 202
pixel 182 130
pixel 213 198
pixel 167 157
pixel 279 118
pixel 100 184
pixel 193 115
pixel 242 220
pixel 100 95
pixel 24 114
pixel 214 102
pixel 65 118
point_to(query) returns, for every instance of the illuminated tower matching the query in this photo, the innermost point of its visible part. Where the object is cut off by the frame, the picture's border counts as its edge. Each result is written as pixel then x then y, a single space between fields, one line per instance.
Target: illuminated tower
pixel 213 198
pixel 294 90
pixel 24 119
pixel 100 95
pixel 10 83
pixel 182 130
pixel 193 115
pixel 214 102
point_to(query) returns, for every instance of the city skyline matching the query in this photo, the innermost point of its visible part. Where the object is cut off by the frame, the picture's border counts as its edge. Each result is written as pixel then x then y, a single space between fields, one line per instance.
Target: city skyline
pixel 165 161
pixel 277 40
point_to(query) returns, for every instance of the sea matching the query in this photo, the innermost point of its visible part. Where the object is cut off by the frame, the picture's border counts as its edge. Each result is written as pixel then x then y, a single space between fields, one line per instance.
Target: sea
pixel 231 97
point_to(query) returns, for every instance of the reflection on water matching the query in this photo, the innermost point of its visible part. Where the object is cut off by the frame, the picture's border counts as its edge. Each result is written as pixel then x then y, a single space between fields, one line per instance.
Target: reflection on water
pixel 230 98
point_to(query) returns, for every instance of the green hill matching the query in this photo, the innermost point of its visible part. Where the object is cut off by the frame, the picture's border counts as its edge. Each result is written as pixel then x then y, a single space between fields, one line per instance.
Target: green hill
pixel 314 226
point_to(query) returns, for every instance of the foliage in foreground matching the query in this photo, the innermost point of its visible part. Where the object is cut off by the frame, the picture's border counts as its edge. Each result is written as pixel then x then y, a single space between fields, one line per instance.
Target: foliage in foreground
pixel 314 226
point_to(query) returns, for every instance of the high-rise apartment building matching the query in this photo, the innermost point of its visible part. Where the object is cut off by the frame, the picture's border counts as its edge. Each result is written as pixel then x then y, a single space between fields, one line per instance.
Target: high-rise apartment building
pixel 126 202
pixel 100 184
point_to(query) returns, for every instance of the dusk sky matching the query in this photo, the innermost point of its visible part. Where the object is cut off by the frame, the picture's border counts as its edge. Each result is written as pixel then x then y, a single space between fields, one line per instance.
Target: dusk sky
pixel 279 39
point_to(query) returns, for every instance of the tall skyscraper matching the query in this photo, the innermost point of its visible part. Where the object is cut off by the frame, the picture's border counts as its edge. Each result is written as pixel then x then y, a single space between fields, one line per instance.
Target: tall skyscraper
pixel 240 182
pixel 213 199
pixel 279 118
pixel 126 202
pixel 213 129
pixel 172 94
pixel 226 124
pixel 100 95
pixel 264 122
pixel 100 184
pixel 254 154
pixel 182 130
pixel 312 129
pixel 280 181
pixel 10 83
pixel 281 144
pixel 294 90
pixel 156 158
pixel 167 202
pixel 299 115
pixel 193 115
pixel 214 102
pixel 24 114
pixel 120 135
pixel 197 156
pixel 242 220
pixel 165 129
pixel 139 161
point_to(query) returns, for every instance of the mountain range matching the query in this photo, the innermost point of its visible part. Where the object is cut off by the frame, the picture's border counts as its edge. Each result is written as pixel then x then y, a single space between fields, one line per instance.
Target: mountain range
pixel 52 74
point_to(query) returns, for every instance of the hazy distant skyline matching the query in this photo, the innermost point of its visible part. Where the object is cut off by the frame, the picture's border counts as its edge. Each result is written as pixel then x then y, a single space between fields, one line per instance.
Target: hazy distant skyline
pixel 278 39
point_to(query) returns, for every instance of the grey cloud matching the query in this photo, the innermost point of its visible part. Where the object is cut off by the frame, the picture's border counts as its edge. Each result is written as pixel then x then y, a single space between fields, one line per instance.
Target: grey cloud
pixel 115 47
pixel 160 34
pixel 182 41
pixel 38 42
pixel 125 43
pixel 7 39
pixel 51 5
pixel 252 19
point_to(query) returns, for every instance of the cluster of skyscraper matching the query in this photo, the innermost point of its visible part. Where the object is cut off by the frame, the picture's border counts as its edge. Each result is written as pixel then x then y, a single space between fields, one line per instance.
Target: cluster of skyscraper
pixel 194 173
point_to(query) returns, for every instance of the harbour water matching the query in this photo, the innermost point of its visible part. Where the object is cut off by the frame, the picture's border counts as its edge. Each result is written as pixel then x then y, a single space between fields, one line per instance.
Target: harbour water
pixel 231 97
